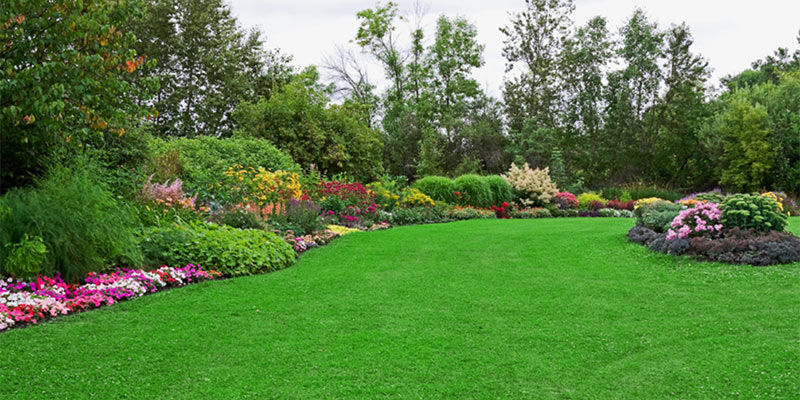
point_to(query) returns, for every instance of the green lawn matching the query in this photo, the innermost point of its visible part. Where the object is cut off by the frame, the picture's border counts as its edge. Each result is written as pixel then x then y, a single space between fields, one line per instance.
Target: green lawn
pixel 551 308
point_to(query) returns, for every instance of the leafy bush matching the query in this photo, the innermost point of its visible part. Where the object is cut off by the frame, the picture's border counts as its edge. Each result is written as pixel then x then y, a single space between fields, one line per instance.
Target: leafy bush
pixel 229 251
pixel 533 186
pixel 387 193
pixel 240 218
pixel 585 200
pixel 642 235
pixel 673 246
pixel 300 216
pixel 204 160
pixel 502 192
pixel 82 226
pixel 474 191
pixel 438 188
pixel 463 213
pixel 418 215
pixel 748 247
pixel 752 211
pixel 657 215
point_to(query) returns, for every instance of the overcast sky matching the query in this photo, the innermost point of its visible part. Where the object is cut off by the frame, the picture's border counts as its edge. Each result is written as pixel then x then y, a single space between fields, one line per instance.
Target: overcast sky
pixel 729 33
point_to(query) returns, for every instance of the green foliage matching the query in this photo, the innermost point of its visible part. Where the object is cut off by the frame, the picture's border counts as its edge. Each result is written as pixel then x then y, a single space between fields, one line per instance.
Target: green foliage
pixel 474 191
pixel 25 259
pixel 65 68
pixel 83 227
pixel 200 162
pixel 227 250
pixel 299 120
pixel 206 64
pixel 241 219
pixel 439 188
pixel 657 216
pixel 585 199
pixel 748 155
pixel 301 217
pixel 752 211
pixel 419 215
pixel 500 188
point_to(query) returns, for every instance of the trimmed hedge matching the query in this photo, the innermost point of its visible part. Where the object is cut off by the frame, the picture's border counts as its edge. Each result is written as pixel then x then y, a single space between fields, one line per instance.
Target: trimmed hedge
pixel 474 191
pixel 500 188
pixel 438 188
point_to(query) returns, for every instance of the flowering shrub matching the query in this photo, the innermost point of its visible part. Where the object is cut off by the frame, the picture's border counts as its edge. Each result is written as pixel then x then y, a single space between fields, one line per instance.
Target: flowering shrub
pixel 350 193
pixel 565 200
pixel 703 220
pixel 386 195
pixel 646 201
pixel 778 198
pixel 262 187
pixel 413 197
pixel 305 242
pixel 621 205
pixel 500 212
pixel 167 194
pixel 534 184
pixel 31 302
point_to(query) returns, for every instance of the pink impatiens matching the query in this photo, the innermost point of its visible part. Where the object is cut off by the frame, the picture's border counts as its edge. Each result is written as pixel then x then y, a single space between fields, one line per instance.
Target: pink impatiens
pixel 703 220
pixel 31 302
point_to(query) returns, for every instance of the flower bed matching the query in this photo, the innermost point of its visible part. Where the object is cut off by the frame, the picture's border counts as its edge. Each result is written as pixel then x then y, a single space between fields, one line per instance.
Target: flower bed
pixel 23 303
pixel 741 229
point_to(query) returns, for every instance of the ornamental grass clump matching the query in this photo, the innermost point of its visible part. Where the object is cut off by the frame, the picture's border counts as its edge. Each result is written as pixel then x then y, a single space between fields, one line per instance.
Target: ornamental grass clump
pixel 533 186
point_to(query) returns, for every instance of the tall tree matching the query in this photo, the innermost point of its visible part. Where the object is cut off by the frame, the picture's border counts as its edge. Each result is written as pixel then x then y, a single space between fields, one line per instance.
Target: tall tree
pixel 584 61
pixel 633 90
pixel 679 116
pixel 206 64
pixel 532 47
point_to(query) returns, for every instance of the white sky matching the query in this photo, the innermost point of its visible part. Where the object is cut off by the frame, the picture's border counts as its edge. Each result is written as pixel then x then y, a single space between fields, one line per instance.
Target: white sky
pixel 729 33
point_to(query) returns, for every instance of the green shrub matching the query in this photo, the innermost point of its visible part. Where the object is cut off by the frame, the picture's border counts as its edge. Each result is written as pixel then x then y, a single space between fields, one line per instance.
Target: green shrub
pixel 84 229
pixel 26 258
pixel 418 215
pixel 586 199
pixel 202 161
pixel 473 191
pixel 302 217
pixel 752 211
pixel 501 189
pixel 241 219
pixel 438 188
pixel 227 250
pixel 657 215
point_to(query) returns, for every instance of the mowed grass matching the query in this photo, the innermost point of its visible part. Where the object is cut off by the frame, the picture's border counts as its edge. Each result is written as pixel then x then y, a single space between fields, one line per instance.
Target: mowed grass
pixel 551 308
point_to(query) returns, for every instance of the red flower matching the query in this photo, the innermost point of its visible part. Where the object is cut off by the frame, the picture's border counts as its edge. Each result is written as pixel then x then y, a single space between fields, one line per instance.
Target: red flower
pixel 505 204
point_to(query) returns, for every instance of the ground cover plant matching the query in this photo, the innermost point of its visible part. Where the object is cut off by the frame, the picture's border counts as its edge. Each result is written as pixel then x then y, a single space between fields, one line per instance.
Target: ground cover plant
pixel 431 312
